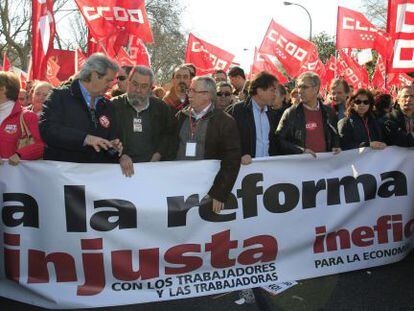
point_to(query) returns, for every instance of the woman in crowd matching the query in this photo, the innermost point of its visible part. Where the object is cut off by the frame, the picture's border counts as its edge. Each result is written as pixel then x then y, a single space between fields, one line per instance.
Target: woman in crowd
pixel 41 91
pixel 12 119
pixel 360 128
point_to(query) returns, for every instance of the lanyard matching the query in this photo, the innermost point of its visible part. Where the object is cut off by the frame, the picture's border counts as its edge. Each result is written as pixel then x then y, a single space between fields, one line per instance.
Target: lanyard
pixel 367 128
pixel 193 125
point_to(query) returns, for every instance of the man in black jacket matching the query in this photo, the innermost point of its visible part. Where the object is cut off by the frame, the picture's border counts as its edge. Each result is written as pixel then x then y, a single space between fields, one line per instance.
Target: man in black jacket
pixel 78 123
pixel 144 122
pixel 255 120
pixel 399 124
pixel 308 127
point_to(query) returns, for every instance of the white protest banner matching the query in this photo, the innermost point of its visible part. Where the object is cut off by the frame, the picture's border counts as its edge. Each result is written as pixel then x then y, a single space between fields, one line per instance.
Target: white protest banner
pixel 78 235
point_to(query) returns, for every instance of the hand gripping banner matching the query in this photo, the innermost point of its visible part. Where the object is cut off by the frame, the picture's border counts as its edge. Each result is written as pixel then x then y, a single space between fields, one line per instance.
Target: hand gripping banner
pixel 79 235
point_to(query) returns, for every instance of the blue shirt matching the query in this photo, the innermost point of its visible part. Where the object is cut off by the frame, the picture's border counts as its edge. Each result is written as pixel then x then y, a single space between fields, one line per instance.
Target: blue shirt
pixel 87 96
pixel 261 122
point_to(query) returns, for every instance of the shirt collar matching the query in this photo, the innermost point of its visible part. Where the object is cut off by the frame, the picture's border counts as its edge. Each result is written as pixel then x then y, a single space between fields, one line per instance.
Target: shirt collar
pixel 87 96
pixel 318 107
pixel 202 113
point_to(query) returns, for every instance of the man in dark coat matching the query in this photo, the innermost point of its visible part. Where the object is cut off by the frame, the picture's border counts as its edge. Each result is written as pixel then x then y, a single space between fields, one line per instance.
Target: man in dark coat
pixel 78 122
pixel 399 124
pixel 308 127
pixel 255 120
pixel 144 122
pixel 204 132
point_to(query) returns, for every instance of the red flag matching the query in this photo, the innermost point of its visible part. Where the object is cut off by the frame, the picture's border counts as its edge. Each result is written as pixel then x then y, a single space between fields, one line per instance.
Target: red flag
pixel 401 28
pixel 264 62
pixel 400 79
pixel 314 64
pixel 124 59
pixel 405 79
pixel 66 60
pixel 43 31
pixel 378 78
pixel 106 18
pixel 52 71
pixel 291 50
pixel 80 58
pixel 206 57
pixel 355 31
pixel 6 62
pixel 330 70
pixel 352 72
pixel 138 52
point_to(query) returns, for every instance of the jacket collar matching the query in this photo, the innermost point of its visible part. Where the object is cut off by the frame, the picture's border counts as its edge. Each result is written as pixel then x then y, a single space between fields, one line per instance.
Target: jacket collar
pixel 17 108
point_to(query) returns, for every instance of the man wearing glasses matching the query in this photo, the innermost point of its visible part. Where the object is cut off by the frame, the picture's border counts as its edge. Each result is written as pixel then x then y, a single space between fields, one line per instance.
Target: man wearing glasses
pixel 204 132
pixel 308 127
pixel 143 121
pixel 121 81
pixel 399 126
pixel 224 95
pixel 78 122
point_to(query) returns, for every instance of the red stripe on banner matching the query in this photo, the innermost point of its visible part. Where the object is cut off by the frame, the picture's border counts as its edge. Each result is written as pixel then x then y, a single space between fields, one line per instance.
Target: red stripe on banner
pixel 12 239
pixel 91 244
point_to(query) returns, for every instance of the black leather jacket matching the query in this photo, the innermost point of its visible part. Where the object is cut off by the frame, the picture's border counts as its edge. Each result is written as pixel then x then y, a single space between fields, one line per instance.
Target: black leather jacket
pixel 291 131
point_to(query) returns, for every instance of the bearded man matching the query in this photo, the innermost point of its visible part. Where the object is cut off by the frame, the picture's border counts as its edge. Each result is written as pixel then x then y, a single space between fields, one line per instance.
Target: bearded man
pixel 144 121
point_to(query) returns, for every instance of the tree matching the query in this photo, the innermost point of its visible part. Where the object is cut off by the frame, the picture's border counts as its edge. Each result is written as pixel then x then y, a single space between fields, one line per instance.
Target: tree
pixel 376 12
pixel 166 52
pixel 15 30
pixel 169 45
pixel 325 45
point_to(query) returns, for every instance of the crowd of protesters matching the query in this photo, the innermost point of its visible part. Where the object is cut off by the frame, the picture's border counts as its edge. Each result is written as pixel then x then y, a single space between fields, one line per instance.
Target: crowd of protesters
pixel 224 116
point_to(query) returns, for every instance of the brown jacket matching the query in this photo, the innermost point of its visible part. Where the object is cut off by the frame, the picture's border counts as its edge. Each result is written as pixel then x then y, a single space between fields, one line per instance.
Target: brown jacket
pixel 222 143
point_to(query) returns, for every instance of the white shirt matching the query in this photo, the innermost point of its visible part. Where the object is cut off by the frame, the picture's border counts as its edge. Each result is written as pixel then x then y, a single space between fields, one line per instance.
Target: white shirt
pixel 201 114
pixel 5 110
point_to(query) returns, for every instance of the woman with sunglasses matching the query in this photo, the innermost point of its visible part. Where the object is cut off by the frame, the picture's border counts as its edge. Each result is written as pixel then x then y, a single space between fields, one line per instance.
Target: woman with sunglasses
pixel 360 128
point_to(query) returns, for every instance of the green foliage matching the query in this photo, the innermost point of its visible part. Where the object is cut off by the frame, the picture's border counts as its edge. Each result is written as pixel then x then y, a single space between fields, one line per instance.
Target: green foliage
pixel 325 45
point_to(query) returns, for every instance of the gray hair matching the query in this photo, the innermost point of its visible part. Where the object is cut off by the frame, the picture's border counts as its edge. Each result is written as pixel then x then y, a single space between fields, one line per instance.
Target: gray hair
pixel 407 86
pixel 99 63
pixel 143 70
pixel 41 84
pixel 316 81
pixel 223 84
pixel 210 85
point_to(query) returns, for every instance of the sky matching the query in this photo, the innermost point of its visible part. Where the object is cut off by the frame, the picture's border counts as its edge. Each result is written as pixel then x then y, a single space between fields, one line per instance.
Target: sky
pixel 237 26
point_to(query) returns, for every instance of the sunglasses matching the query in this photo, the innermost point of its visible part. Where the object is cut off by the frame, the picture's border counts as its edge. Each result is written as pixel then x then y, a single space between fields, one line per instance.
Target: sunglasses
pixel 121 78
pixel 359 102
pixel 226 94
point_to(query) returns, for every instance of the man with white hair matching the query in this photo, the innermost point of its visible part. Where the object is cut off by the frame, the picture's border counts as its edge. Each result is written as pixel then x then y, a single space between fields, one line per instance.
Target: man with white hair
pixel 78 122
pixel 204 132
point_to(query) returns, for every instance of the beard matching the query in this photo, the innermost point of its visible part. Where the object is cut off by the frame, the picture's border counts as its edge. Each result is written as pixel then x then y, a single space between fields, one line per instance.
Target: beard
pixel 182 87
pixel 137 99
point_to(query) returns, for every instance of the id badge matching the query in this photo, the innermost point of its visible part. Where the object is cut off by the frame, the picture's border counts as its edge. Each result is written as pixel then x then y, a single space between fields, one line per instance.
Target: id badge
pixel 190 149
pixel 137 124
